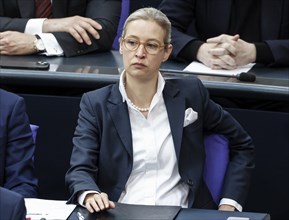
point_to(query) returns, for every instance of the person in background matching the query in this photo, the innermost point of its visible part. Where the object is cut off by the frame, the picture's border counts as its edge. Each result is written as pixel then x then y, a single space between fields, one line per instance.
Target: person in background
pixel 16 147
pixel 226 34
pixel 141 140
pixel 12 205
pixel 68 27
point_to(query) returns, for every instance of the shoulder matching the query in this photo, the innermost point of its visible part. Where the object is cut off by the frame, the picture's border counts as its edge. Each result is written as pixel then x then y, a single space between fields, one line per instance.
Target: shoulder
pixel 101 92
pixel 8 95
pixel 185 84
pixel 101 95
pixel 8 100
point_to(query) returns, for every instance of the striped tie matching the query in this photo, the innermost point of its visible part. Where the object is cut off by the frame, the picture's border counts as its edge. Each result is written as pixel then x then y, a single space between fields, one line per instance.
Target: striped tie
pixel 43 9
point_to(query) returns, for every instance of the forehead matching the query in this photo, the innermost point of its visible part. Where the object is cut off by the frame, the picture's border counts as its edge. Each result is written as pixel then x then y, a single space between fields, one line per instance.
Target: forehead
pixel 145 29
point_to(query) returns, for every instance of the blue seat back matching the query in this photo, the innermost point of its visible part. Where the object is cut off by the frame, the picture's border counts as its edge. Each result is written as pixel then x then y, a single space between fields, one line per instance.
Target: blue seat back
pixel 34 129
pixel 125 8
pixel 217 157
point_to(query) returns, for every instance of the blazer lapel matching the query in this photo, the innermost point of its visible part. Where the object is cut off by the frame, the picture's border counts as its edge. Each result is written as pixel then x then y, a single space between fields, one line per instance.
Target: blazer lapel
pixel 176 109
pixel 119 114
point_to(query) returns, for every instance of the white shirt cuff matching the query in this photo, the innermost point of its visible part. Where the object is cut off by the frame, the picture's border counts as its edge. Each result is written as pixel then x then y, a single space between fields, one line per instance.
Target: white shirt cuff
pixel 81 197
pixel 51 45
pixel 34 26
pixel 231 202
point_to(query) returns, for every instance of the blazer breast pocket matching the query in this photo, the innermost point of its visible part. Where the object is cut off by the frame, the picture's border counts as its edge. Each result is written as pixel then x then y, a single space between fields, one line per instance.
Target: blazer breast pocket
pixel 190 117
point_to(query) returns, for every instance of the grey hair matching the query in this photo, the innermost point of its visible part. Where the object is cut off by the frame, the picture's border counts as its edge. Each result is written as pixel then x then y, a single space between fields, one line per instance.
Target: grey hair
pixel 151 14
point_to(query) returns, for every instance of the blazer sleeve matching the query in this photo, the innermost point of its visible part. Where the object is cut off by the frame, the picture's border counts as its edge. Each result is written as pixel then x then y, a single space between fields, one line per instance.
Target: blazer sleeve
pixel 12 205
pixel 83 171
pixel 241 153
pixel 182 15
pixel 19 167
pixel 15 24
pixel 105 12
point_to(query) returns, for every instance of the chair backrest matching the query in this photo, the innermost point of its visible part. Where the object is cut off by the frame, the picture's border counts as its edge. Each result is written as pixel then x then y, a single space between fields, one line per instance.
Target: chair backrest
pixel 125 8
pixel 34 129
pixel 217 157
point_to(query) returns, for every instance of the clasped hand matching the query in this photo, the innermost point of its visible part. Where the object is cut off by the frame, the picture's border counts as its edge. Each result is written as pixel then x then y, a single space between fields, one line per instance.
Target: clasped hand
pixel 226 52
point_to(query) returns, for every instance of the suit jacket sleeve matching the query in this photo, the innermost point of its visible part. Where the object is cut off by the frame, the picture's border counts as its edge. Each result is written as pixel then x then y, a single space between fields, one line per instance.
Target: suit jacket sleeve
pixel 12 205
pixel 182 15
pixel 84 158
pixel 19 166
pixel 105 12
pixel 242 162
pixel 199 20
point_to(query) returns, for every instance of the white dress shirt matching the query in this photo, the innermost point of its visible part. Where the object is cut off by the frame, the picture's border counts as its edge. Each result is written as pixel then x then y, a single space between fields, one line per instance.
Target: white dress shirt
pixel 155 178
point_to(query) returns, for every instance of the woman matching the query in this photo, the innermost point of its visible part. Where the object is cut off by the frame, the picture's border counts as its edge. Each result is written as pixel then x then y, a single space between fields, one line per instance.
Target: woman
pixel 140 141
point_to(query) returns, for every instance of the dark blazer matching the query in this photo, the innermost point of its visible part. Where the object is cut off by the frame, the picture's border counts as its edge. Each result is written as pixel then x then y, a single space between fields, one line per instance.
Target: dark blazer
pixel 12 205
pixel 102 155
pixel 16 147
pixel 208 18
pixel 14 15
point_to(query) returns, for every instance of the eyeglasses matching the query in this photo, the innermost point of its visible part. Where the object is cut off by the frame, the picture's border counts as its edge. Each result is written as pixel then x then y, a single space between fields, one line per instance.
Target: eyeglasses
pixel 151 47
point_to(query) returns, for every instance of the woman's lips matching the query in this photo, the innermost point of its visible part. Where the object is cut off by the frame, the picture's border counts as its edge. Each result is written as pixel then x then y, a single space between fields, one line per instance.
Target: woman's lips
pixel 138 65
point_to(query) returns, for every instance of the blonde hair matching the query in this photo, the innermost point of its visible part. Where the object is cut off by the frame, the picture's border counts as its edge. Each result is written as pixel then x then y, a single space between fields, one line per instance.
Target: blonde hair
pixel 151 14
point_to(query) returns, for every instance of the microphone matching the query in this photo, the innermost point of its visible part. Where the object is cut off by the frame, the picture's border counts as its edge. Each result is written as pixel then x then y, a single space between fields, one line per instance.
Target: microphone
pixel 245 77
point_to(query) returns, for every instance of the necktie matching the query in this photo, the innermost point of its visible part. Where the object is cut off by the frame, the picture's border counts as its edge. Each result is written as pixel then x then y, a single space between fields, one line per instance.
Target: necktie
pixel 43 9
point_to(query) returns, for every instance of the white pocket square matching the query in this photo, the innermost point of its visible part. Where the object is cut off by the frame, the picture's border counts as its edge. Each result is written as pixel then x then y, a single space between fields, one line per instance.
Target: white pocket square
pixel 190 116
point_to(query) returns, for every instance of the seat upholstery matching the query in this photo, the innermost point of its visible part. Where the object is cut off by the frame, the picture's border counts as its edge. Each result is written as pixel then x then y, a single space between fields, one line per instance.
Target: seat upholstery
pixel 125 8
pixel 217 157
pixel 34 129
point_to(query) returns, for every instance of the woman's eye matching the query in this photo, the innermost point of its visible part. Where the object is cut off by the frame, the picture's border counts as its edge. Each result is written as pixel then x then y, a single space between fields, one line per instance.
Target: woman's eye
pixel 152 46
pixel 132 42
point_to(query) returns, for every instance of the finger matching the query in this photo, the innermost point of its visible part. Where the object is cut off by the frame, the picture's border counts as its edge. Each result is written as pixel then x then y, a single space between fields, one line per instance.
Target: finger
pixel 92 206
pixel 223 38
pixel 218 51
pixel 111 205
pixel 228 60
pixel 83 34
pixel 105 200
pixel 230 47
pixel 99 200
pixel 90 29
pixel 75 35
pixel 217 63
pixel 236 37
pixel 93 23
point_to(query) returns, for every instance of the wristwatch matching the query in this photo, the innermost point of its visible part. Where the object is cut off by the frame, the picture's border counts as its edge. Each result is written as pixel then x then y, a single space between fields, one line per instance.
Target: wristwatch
pixel 38 44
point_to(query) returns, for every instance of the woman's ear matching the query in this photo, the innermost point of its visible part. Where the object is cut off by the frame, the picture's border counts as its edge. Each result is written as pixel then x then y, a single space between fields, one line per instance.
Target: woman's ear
pixel 168 51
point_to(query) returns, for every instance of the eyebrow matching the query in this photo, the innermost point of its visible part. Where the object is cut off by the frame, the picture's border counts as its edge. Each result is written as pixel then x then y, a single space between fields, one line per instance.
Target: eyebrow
pixel 152 39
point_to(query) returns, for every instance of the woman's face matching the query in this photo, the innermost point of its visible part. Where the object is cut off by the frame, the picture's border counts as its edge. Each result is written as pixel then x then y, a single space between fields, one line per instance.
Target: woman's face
pixel 143 49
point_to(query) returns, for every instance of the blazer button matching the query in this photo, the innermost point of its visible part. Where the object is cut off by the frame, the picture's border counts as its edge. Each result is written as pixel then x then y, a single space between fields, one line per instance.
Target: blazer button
pixel 190 182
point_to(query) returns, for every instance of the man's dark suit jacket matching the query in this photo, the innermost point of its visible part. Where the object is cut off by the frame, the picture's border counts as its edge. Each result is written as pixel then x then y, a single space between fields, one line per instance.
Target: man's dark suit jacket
pixel 12 205
pixel 16 147
pixel 208 18
pixel 102 156
pixel 15 14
